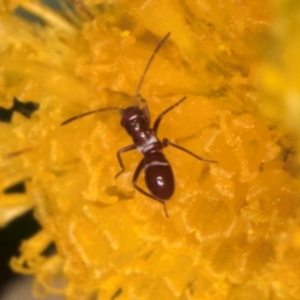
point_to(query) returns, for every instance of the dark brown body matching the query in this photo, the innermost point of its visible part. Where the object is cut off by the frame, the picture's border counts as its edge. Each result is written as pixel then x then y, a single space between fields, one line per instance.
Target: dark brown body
pixel 158 172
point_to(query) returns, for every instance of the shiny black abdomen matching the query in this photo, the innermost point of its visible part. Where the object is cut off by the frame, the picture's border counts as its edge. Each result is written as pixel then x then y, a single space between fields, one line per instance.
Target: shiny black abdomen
pixel 159 176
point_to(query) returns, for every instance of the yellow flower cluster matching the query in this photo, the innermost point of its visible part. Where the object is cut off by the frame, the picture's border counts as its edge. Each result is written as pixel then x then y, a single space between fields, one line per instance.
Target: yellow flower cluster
pixel 233 231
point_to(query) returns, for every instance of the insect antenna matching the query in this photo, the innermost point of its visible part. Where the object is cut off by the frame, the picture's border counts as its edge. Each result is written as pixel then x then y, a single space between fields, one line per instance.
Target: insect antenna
pixel 18 152
pixel 80 5
pixel 90 113
pixel 159 45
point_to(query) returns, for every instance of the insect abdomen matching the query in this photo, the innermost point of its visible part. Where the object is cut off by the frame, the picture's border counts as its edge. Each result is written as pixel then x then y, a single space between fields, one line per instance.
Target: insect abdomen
pixel 159 176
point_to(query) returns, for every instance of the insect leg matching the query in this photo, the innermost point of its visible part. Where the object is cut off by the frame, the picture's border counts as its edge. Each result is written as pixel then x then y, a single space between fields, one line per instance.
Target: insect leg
pixel 159 118
pixel 166 143
pixel 125 149
pixel 134 180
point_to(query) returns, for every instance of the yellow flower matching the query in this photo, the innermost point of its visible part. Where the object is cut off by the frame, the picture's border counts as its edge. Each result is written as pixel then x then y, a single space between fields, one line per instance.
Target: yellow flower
pixel 233 230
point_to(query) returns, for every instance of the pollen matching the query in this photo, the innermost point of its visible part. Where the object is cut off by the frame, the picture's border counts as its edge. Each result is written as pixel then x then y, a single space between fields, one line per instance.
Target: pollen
pixel 233 228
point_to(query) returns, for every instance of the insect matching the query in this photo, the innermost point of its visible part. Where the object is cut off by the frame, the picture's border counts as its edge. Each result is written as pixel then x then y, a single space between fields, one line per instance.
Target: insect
pixel 135 119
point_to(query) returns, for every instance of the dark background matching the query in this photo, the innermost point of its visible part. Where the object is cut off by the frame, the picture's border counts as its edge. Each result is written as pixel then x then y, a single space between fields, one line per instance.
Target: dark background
pixel 11 238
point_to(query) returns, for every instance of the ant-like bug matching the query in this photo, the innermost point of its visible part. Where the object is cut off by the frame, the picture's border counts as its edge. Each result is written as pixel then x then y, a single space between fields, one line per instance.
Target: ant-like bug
pixel 158 172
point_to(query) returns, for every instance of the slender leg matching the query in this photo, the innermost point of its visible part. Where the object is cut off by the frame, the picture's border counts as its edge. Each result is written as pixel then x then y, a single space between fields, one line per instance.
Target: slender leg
pixel 125 149
pixel 166 143
pixel 158 119
pixel 134 180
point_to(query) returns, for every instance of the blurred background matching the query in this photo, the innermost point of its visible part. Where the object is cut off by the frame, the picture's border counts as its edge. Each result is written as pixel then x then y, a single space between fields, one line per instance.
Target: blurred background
pixel 14 286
